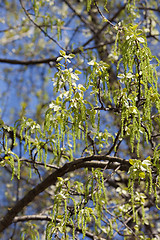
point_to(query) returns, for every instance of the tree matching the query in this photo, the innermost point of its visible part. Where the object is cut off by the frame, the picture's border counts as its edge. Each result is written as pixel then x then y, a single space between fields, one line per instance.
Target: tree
pixel 80 121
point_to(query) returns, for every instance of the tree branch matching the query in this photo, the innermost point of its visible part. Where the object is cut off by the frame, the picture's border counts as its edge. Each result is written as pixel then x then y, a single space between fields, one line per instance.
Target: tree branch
pixel 28 62
pixel 39 217
pixel 105 25
pixel 90 162
pixel 50 60
pixel 38 26
pixel 80 16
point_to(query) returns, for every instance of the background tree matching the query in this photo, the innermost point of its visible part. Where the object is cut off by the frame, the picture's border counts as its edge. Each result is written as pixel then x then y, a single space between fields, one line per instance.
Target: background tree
pixel 79 119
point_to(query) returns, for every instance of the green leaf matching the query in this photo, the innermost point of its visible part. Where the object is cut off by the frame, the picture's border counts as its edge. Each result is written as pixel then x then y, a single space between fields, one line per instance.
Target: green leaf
pixel 77 71
pixel 141 40
pixel 91 63
pixel 142 175
pixel 1 122
pixel 132 161
pixel 59 59
pixel 71 55
pixel 63 53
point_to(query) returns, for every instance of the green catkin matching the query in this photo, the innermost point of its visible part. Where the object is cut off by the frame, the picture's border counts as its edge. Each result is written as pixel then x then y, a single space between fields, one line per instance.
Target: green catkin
pixel 76 121
pixel 146 183
pixel 48 230
pixel 98 126
pixel 65 212
pixel 78 130
pixel 86 133
pixel 73 229
pixel 103 188
pixel 68 134
pixel 98 207
pixel 143 213
pixel 78 219
pixel 122 123
pixel 6 143
pixel 111 228
pixel 138 133
pixel 55 210
pixel 74 139
pixel 150 181
pixel 71 155
pixel 83 110
pixel 18 168
pixel 84 224
pixel 45 154
pixel 96 224
pixel 70 85
pixel 11 160
pixel 58 29
pixel 30 171
pixel 89 2
pixel 87 189
pixel 58 140
pixel 146 137
pixel 26 141
pixel 158 179
pixel 96 199
pixel 83 134
pixel 92 191
pixel 99 182
pixel 156 155
pixel 134 129
pixel 138 142
pixel 54 152
pixel 156 197
pixel 40 154
pixel 62 123
pixel 155 79
pixel 29 144
pixel 14 137
pixel 58 81
pixel 36 134
pixel 136 217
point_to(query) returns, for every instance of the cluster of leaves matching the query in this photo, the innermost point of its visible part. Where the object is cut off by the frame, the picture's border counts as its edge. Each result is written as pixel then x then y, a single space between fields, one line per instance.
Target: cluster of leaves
pixel 73 126
pixel 67 118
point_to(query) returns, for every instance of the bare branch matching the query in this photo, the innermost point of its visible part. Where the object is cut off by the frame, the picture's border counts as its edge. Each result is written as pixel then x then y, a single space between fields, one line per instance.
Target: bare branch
pixel 38 26
pixel 80 16
pixel 51 61
pixel 105 26
pixel 28 62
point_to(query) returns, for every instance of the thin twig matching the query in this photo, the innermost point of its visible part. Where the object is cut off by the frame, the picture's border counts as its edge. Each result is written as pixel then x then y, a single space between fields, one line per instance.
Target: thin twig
pixel 80 16
pixel 104 18
pixel 38 26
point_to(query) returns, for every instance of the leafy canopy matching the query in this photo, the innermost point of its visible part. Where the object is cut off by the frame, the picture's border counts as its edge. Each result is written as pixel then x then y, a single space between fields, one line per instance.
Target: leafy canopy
pixel 90 152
